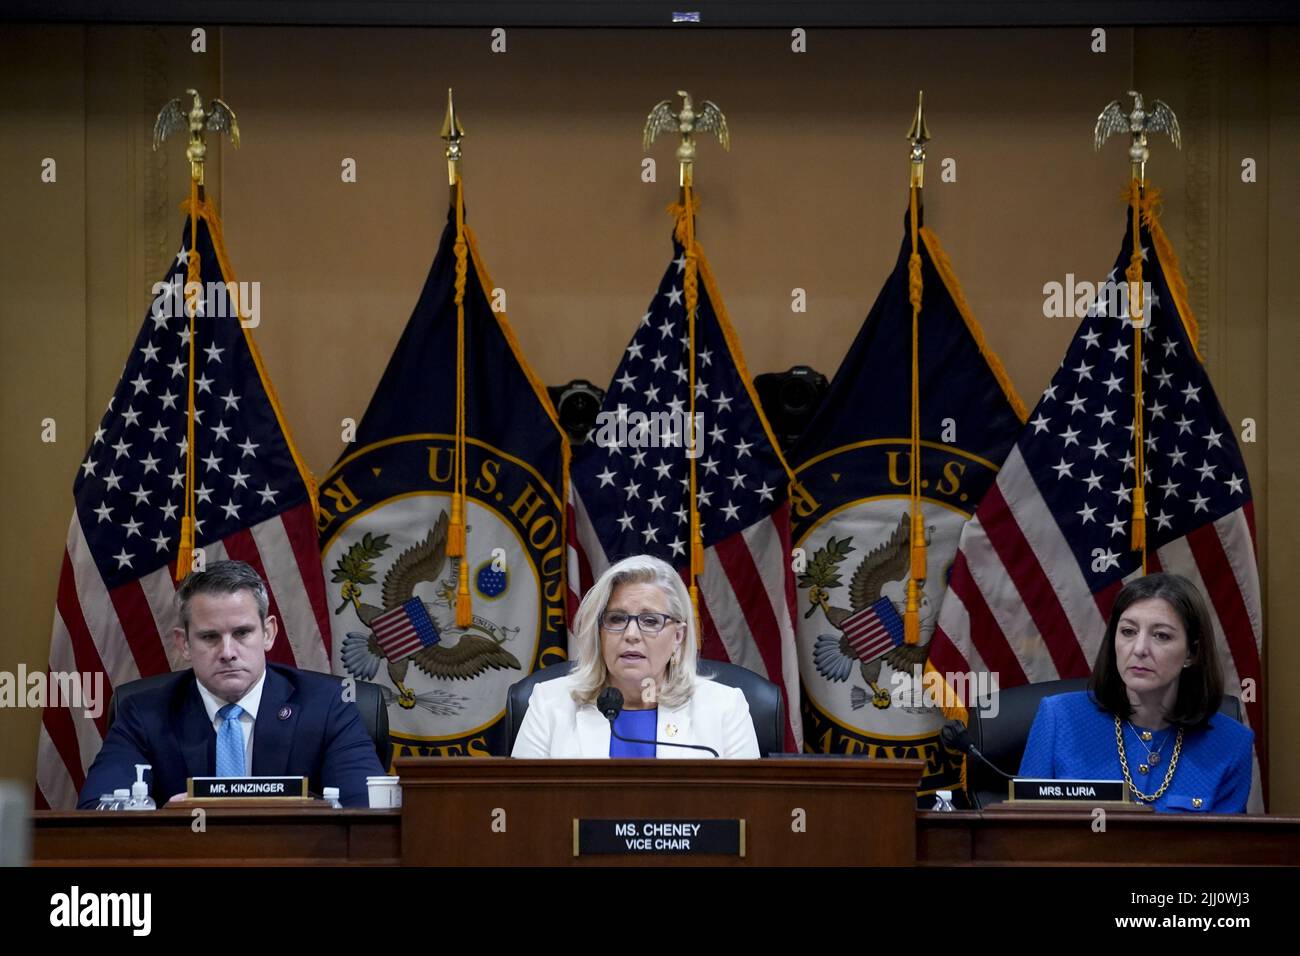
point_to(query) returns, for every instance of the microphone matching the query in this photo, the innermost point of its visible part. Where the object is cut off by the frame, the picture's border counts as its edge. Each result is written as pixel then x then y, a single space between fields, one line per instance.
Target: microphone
pixel 955 736
pixel 610 703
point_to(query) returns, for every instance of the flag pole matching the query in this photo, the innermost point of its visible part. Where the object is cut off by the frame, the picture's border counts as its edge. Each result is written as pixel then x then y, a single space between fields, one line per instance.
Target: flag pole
pixel 918 135
pixel 197 121
pixel 690 285
pixel 453 132
pixel 1137 123
pixel 686 122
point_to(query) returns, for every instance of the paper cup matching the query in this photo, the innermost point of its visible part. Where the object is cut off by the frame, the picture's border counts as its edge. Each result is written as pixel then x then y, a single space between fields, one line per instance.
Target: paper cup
pixel 385 792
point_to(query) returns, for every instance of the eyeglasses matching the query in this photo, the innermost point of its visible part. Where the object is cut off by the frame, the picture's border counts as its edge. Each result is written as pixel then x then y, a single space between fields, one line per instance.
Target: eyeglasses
pixel 649 622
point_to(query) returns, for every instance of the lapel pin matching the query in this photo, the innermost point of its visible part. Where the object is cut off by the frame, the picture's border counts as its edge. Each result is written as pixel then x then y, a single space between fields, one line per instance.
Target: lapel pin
pixel 285 712
pixel 671 730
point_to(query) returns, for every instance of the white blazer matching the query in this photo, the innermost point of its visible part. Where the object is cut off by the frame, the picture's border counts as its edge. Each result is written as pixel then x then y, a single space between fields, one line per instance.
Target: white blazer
pixel 716 716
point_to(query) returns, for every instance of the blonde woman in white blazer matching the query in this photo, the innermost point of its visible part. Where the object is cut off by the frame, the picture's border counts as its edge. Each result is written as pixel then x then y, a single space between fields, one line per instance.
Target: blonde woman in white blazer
pixel 634 632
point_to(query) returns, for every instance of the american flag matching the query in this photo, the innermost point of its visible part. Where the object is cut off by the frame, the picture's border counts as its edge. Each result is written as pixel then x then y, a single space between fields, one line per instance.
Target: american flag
pixel 116 603
pixel 875 629
pixel 1040 563
pixel 629 500
pixel 404 630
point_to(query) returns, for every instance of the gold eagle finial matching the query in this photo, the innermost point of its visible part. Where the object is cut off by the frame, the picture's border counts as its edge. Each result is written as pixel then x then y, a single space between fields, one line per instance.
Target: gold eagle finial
pixel 686 122
pixel 1138 122
pixel 218 117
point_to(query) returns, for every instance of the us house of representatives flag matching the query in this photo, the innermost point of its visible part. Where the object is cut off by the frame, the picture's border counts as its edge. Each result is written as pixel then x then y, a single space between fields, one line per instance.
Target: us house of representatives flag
pixel 863 682
pixel 631 484
pixel 445 637
pixel 1051 545
pixel 253 500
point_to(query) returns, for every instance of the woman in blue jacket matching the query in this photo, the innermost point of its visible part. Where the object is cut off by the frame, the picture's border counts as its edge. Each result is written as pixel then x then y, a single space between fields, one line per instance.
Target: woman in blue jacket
pixel 1151 714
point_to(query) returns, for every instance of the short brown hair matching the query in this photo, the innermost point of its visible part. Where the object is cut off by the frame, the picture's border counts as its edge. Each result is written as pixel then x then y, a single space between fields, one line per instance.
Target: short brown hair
pixel 1200 685
pixel 223 577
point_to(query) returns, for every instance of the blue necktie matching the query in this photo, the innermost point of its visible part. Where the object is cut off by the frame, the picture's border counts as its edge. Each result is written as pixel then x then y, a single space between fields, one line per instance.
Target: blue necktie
pixel 230 742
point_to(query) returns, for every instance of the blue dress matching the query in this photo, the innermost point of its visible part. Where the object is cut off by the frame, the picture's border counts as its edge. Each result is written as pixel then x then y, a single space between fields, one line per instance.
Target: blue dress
pixel 640 724
pixel 1074 739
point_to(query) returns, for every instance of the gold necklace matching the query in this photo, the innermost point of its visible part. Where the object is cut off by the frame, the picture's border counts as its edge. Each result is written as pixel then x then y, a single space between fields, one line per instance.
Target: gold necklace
pixel 1153 756
pixel 1128 779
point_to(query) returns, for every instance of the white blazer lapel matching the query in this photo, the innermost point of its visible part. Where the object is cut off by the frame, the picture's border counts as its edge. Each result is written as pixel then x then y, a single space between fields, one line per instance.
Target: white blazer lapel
pixel 674 726
pixel 593 732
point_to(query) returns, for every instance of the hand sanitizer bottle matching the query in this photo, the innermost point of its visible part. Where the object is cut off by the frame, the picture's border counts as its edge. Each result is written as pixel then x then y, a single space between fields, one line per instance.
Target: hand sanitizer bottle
pixel 140 799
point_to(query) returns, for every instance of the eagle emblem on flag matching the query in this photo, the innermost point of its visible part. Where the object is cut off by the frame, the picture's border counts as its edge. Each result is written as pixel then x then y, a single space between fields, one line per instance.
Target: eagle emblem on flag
pixel 407 629
pixel 871 629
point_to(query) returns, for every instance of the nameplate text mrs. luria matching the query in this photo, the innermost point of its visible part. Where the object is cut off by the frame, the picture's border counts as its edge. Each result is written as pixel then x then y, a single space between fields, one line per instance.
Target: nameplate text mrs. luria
pixel 1086 791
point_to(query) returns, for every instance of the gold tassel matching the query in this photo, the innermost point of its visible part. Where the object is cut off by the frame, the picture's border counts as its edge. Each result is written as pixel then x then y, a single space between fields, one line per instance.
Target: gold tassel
pixel 456 528
pixel 1140 522
pixel 464 609
pixel 919 549
pixel 912 616
pixel 184 555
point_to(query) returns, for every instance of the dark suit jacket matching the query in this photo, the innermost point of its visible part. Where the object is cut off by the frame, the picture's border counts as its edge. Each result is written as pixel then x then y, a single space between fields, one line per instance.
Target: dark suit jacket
pixel 167 727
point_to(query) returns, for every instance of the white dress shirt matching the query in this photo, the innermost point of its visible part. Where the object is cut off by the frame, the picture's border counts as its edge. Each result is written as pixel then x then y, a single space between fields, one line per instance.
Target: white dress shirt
pixel 249 703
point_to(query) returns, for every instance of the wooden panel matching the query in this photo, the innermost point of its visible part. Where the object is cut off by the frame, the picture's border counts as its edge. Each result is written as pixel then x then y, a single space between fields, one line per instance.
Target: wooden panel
pixel 857 812
pixel 264 837
pixel 448 823
pixel 1037 838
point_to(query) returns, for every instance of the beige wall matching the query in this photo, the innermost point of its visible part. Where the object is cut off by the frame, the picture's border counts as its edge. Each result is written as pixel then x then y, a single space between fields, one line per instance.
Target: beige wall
pixel 811 196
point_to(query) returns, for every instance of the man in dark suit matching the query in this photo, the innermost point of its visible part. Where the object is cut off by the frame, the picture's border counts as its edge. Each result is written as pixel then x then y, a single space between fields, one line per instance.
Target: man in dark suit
pixel 232 714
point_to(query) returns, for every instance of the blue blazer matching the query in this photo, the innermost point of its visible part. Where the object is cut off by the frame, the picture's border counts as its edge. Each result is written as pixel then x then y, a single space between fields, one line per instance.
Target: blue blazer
pixel 1074 739
pixel 167 727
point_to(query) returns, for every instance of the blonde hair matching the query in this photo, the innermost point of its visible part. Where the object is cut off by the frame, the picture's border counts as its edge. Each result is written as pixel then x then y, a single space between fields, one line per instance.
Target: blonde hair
pixel 589 672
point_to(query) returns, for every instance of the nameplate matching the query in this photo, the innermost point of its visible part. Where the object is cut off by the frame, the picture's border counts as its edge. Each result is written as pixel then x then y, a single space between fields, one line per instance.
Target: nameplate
pixel 246 788
pixel 1070 791
pixel 639 837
